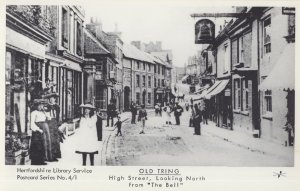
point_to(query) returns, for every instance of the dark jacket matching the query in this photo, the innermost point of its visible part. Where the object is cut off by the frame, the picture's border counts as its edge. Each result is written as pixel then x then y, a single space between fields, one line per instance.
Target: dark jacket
pixel 111 110
pixel 142 113
pixel 178 110
pixel 133 109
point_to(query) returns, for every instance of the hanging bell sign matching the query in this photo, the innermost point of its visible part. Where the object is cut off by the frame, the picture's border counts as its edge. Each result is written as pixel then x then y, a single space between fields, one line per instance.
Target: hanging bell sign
pixel 204 32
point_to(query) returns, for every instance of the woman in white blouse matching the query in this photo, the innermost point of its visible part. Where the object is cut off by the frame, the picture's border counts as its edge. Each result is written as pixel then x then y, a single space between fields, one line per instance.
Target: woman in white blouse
pixel 87 134
pixel 40 140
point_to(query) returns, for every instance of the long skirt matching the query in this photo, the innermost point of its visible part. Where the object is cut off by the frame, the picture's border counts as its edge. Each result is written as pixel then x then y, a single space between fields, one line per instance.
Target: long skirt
pixel 46 140
pixel 55 138
pixel 37 149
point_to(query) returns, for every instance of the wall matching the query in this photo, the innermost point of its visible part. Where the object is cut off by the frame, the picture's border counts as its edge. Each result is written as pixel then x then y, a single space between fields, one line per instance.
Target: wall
pixel 273 128
pixel 221 59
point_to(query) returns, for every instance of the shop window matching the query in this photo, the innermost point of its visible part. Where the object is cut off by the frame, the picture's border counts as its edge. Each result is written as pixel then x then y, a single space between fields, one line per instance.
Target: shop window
pixel 237 94
pixel 65 28
pixel 69 92
pixel 149 98
pixel 79 39
pixel 245 95
pixel 267 35
pixel 138 98
pixel 101 96
pixel 137 80
pixel 149 81
pixel 8 85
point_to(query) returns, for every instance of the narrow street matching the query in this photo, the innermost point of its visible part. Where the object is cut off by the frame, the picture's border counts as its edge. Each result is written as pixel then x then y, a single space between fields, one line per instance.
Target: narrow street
pixel 177 145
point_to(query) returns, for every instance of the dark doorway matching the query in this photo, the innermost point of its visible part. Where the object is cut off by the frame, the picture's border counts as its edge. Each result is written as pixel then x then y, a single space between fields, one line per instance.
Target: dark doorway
pixel 126 98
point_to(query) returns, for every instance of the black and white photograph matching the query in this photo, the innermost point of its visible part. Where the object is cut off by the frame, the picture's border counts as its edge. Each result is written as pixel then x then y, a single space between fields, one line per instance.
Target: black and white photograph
pixel 200 86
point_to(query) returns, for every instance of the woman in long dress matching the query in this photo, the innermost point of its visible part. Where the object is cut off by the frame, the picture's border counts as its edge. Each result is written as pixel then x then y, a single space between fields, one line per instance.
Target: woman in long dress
pixel 40 146
pixel 53 112
pixel 87 134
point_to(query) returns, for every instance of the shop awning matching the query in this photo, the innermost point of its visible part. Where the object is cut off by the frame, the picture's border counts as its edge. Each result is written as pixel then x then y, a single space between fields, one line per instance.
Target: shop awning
pixel 282 75
pixel 202 89
pixel 72 65
pixel 184 77
pixel 205 92
pixel 218 89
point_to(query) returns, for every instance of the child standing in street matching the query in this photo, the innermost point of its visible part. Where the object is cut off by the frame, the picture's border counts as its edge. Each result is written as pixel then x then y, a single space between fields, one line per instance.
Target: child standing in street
pixel 119 126
pixel 142 117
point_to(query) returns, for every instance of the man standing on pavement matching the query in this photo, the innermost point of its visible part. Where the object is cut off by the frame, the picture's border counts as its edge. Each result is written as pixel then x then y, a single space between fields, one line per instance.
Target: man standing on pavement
pixel 133 110
pixel 111 112
pixel 177 112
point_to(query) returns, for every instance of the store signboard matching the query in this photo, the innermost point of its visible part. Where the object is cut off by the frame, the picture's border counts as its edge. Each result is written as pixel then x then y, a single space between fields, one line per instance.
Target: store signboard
pixel 204 32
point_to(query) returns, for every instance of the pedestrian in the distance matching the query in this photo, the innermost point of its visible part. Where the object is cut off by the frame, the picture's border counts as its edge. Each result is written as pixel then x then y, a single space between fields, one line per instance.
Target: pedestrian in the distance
pixel 99 124
pixel 205 113
pixel 111 112
pixel 87 143
pixel 192 101
pixel 160 109
pixel 187 106
pixel 197 120
pixel 168 111
pixel 142 117
pixel 133 110
pixel 177 113
pixel 192 116
pixel 156 109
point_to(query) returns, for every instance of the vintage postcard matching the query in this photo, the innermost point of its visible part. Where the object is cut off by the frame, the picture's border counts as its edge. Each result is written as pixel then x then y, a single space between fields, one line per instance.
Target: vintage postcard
pixel 146 95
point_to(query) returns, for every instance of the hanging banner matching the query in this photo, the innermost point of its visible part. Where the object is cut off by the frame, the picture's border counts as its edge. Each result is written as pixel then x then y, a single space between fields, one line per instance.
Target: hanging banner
pixel 204 32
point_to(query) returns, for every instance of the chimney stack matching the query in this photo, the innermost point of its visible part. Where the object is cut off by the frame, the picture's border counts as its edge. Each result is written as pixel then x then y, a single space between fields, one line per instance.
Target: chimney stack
pixel 95 26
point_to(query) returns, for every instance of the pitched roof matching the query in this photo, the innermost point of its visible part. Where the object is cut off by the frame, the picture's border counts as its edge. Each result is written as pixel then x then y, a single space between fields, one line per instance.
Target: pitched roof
pixel 165 55
pixel 92 44
pixel 131 51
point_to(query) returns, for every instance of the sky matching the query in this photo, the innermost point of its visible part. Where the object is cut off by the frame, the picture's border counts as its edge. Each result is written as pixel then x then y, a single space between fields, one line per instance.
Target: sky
pixel 171 24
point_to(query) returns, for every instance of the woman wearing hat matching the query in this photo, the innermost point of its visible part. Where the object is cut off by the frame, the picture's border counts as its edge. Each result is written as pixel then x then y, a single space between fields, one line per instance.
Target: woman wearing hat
pixel 40 147
pixel 87 134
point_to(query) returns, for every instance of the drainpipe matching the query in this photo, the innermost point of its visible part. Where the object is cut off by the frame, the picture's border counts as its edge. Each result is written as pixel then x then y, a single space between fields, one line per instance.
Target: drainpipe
pixel 258 80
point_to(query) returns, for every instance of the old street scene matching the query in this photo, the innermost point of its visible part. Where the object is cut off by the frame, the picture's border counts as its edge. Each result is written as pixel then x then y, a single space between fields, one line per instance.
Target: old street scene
pixel 173 86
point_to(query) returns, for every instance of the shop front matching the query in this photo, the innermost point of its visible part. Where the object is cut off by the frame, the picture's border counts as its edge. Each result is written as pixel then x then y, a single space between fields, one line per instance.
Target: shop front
pixel 25 54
